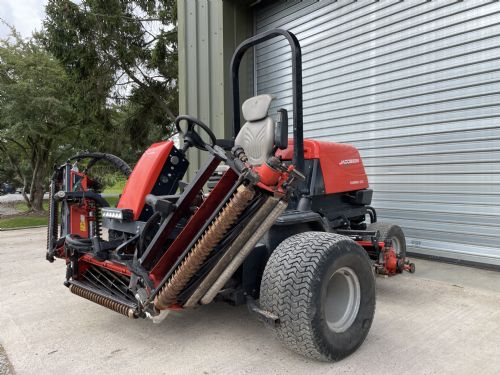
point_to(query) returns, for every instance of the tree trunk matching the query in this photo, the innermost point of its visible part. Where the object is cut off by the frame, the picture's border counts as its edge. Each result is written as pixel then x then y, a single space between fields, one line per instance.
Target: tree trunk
pixel 37 191
pixel 37 185
pixel 36 198
pixel 25 196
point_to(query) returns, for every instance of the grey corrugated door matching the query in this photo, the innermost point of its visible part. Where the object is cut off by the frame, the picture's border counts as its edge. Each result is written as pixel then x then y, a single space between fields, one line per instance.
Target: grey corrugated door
pixel 414 86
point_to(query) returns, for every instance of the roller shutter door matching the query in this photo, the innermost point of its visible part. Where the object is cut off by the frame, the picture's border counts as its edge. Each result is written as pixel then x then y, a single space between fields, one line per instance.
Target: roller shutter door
pixel 415 86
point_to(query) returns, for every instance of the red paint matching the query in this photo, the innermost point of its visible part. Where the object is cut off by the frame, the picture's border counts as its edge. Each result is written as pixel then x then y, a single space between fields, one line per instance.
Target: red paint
pixel 273 180
pixel 60 253
pixel 267 174
pixel 183 208
pixel 143 177
pixel 391 264
pixel 311 150
pixel 175 307
pixel 194 225
pixel 369 244
pixel 79 221
pixel 390 261
pixel 341 164
pixel 115 267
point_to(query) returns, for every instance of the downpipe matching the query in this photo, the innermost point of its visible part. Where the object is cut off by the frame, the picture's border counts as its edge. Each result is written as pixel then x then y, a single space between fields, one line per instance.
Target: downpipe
pixel 244 252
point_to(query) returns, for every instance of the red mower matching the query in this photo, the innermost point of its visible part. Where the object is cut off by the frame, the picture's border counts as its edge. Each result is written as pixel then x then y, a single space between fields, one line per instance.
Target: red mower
pixel 276 223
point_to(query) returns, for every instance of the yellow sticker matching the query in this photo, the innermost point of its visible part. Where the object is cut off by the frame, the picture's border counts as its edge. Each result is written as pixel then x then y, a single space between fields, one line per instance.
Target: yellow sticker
pixel 83 226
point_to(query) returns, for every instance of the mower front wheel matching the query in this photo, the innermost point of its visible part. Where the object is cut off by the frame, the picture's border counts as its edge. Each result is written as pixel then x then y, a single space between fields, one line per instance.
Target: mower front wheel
pixel 393 233
pixel 322 289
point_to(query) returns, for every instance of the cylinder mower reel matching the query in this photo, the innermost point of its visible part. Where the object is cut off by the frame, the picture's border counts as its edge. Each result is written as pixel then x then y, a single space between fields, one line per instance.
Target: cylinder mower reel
pixel 277 223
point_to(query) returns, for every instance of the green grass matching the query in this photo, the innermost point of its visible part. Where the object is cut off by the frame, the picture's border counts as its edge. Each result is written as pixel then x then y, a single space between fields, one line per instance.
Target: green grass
pixel 112 201
pixel 27 220
pixel 23 207
pixel 117 188
pixel 23 221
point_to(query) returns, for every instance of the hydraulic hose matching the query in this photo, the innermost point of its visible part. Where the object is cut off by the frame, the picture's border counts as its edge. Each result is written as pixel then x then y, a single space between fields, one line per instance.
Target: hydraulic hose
pixel 114 160
pixel 78 243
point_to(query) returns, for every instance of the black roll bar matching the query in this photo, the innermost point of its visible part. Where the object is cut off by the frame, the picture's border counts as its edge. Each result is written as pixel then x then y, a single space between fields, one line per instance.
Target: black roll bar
pixel 298 132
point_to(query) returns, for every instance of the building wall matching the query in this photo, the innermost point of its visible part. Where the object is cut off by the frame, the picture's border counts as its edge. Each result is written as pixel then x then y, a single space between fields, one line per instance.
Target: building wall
pixel 209 31
pixel 415 86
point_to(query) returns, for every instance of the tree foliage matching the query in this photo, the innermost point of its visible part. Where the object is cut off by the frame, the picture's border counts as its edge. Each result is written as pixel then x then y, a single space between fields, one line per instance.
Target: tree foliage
pixel 37 122
pixel 119 52
pixel 100 76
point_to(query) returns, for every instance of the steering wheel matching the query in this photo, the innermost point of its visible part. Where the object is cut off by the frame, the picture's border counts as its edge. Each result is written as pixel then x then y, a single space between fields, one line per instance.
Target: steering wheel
pixel 191 137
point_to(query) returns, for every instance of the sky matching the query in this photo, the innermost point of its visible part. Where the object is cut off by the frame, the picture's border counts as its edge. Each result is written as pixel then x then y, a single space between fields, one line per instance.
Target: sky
pixel 25 15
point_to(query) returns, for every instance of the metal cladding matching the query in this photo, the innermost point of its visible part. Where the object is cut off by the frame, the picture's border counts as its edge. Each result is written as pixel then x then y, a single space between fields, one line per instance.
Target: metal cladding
pixel 419 100
pixel 211 237
pixel 103 301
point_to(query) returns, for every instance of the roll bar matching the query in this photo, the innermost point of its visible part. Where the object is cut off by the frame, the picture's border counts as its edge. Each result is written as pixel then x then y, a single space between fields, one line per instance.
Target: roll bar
pixel 298 132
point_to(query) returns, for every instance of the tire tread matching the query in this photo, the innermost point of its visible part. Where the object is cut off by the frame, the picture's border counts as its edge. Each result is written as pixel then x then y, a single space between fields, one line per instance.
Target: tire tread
pixel 287 283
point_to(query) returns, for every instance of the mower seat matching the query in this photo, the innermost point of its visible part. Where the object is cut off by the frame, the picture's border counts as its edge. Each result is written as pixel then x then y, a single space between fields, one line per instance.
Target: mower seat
pixel 256 137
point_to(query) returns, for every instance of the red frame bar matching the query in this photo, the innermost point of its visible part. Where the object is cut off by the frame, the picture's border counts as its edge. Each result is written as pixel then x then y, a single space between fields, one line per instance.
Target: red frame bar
pixel 184 204
pixel 363 243
pixel 192 227
pixel 112 266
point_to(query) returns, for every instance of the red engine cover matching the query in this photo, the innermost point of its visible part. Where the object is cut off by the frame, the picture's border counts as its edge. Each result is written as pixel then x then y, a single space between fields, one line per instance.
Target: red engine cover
pixel 143 177
pixel 341 164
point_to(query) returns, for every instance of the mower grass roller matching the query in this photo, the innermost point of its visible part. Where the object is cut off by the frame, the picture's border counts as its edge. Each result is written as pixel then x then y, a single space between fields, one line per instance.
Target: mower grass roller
pixel 277 223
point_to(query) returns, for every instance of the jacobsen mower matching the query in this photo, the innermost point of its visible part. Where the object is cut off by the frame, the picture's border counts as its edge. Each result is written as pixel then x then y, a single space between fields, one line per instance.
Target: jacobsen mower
pixel 273 222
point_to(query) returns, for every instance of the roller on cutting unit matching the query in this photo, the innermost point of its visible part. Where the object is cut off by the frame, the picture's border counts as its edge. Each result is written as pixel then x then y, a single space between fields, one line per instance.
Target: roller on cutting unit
pixel 279 224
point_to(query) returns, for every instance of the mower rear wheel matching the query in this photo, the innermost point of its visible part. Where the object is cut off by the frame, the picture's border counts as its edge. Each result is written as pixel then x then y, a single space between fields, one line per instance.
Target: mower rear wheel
pixel 322 289
pixel 394 233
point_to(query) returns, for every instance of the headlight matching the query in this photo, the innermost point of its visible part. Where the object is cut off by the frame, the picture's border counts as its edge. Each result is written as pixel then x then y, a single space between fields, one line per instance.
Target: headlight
pixel 117 213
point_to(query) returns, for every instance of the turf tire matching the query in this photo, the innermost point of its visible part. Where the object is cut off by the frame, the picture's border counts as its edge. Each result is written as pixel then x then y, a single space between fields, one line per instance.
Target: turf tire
pixel 391 232
pixel 294 286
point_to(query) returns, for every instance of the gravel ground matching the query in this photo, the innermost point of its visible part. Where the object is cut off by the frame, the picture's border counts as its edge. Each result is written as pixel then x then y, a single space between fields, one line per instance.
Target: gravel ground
pixel 6 204
pixel 444 319
pixel 9 198
pixel 7 210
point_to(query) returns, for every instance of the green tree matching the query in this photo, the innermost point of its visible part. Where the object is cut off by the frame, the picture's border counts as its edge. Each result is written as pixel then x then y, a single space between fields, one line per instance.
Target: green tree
pixel 120 52
pixel 37 121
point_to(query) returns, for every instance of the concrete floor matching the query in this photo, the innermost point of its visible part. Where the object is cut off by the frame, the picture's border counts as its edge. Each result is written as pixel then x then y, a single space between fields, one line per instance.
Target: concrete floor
pixel 5 366
pixel 445 319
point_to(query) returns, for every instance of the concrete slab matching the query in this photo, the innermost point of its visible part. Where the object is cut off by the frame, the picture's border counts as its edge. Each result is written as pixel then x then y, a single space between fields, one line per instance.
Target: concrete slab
pixel 444 319
pixel 5 367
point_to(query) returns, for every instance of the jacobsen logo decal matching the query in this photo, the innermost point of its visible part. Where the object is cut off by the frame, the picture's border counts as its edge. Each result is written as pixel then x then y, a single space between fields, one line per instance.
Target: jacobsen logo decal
pixel 349 161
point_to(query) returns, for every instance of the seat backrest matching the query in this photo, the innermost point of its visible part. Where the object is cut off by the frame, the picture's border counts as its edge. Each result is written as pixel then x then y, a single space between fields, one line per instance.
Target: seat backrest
pixel 257 135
